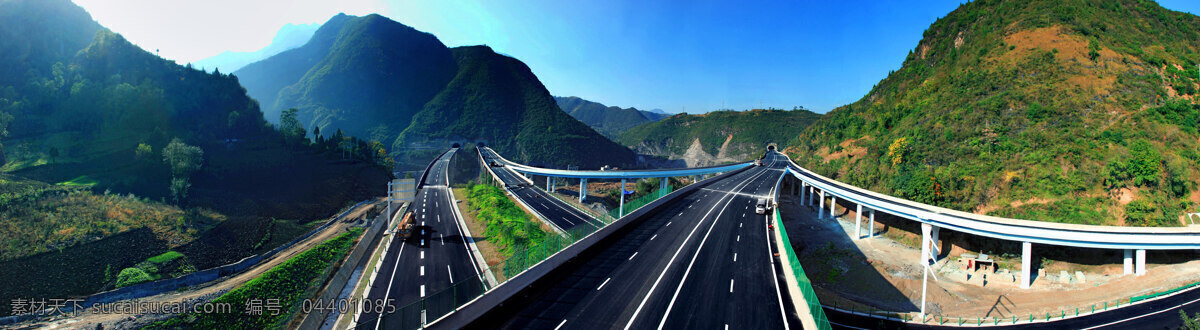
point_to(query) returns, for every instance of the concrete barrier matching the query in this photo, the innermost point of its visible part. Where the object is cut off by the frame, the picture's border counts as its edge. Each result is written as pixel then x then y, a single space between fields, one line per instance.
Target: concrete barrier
pixel 316 317
pixel 513 288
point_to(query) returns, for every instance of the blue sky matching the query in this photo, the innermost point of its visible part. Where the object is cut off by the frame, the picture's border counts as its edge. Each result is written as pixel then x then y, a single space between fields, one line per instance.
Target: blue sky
pixel 692 56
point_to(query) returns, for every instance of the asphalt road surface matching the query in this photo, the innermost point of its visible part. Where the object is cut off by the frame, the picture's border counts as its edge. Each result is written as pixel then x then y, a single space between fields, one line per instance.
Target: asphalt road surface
pixel 703 262
pixel 435 256
pixel 558 212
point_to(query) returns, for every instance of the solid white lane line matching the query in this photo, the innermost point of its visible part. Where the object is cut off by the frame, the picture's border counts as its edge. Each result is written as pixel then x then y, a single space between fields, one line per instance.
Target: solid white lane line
pixel 560 324
pixel 634 255
pixel 775 275
pixel 422 291
pixel 677 252
pixel 1145 315
pixel 391 280
pixel 602 284
pixel 696 255
pixel 422 270
pixel 450 273
pixel 731 285
pixel 652 237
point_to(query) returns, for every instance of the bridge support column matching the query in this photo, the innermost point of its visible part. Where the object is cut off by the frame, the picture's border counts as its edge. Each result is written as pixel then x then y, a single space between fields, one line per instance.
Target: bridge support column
pixel 926 230
pixel 622 205
pixel 821 208
pixel 553 184
pixel 803 187
pixel 1128 262
pixel 1139 266
pixel 832 206
pixel 582 189
pixel 1026 264
pixel 935 242
pixel 662 186
pixel 858 222
pixel 871 228
pixel 548 184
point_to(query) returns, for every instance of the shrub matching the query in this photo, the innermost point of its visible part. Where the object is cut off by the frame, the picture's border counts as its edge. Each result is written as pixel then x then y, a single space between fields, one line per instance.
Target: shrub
pixel 131 276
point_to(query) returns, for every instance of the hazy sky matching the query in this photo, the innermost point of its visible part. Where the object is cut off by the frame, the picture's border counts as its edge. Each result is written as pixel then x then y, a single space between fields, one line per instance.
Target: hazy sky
pixel 674 55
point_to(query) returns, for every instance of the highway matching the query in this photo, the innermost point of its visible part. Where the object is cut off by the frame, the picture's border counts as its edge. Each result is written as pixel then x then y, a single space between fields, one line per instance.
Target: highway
pixel 564 216
pixel 434 257
pixel 702 262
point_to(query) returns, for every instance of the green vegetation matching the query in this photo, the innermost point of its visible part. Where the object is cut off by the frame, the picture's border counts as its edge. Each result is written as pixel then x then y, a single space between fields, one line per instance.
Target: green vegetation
pixel 610 121
pixel 748 132
pixel 381 81
pixel 498 98
pixel 1189 323
pixel 85 108
pixel 1065 111
pixel 286 284
pixel 508 226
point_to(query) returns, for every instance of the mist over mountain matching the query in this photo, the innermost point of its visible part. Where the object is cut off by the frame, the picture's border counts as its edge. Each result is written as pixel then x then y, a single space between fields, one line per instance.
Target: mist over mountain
pixel 383 81
pixel 610 121
pixel 1072 111
pixel 289 36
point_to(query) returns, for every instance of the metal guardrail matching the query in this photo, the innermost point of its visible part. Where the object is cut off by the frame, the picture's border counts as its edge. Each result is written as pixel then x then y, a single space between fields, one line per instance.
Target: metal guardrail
pixel 805 285
pixel 620 174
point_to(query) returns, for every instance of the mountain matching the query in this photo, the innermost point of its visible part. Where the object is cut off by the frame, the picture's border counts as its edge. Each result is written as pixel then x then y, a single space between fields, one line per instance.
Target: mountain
pixel 610 121
pixel 380 80
pixel 496 98
pixel 1068 111
pixel 113 155
pixel 364 75
pixel 717 137
pixel 289 36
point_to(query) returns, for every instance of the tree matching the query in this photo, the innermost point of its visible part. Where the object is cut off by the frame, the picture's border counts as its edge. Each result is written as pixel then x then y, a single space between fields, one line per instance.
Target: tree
pixel 290 125
pixel 53 154
pixel 1144 163
pixel 142 151
pixel 5 118
pixel 184 160
pixel 1189 323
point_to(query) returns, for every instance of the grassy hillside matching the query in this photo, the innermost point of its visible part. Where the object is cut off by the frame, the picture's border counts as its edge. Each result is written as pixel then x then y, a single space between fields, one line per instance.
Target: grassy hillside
pixel 610 121
pixel 1066 111
pixel 114 156
pixel 747 132
pixel 498 99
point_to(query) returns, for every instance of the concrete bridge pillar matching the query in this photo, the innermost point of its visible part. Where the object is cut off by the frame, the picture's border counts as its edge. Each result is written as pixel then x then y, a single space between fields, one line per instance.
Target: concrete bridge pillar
pixel 1128 262
pixel 1139 267
pixel 1026 264
pixel 926 230
pixel 858 222
pixel 662 186
pixel 821 208
pixel 832 206
pixel 935 242
pixel 803 188
pixel 871 228
pixel 622 205
pixel 582 189
pixel 553 184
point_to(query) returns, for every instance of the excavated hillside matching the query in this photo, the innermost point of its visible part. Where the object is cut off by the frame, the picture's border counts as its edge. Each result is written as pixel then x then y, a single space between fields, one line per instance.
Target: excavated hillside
pixel 1067 111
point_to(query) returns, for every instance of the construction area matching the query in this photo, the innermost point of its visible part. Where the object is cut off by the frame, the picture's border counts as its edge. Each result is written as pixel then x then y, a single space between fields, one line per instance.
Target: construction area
pixel 976 277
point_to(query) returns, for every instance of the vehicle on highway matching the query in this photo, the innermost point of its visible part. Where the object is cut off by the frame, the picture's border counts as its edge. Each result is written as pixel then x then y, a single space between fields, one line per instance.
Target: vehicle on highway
pixel 495 164
pixel 406 225
pixel 762 206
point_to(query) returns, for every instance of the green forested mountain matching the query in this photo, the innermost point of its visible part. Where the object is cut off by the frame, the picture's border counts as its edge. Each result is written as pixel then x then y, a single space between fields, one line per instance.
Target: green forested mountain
pixel 610 121
pixel 372 77
pixel 114 155
pixel 498 99
pixel 1071 111
pixel 364 75
pixel 718 136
